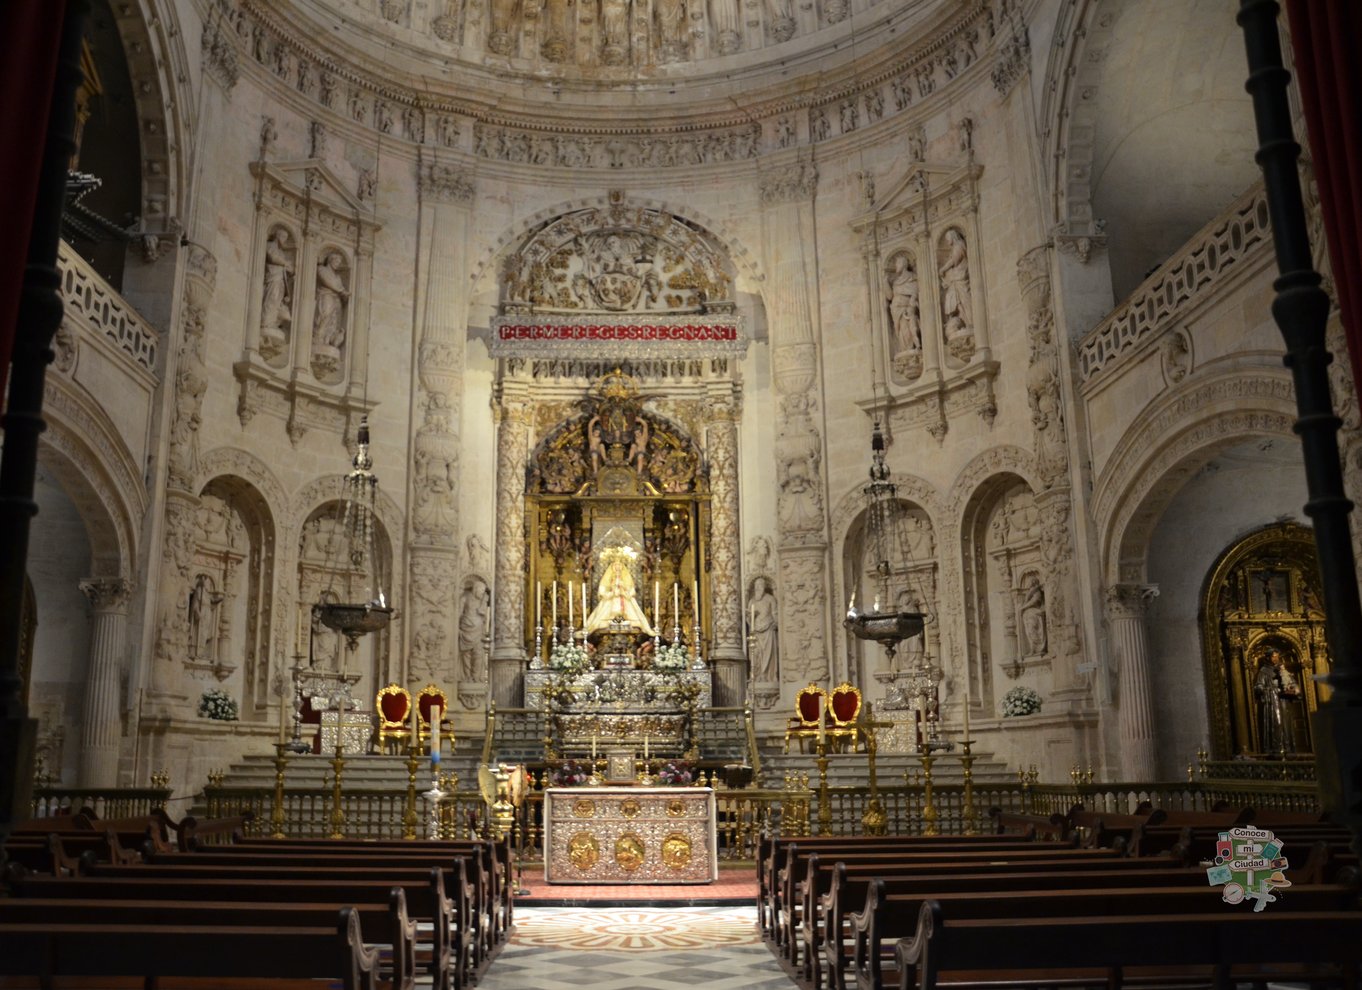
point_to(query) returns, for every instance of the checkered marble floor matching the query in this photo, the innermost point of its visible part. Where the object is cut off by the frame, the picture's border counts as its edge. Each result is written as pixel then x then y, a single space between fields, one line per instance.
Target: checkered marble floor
pixel 635 949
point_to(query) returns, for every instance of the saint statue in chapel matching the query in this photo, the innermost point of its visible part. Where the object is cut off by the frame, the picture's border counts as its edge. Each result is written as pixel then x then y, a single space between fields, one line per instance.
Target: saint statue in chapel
pixel 616 595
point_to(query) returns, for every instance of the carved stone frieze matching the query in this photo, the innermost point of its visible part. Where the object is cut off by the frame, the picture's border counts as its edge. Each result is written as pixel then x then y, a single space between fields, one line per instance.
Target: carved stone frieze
pixel 191 376
pixel 799 455
pixel 1043 386
pixel 219 55
pixel 803 607
pixel 432 620
pixel 792 183
pixel 445 183
pixel 1012 60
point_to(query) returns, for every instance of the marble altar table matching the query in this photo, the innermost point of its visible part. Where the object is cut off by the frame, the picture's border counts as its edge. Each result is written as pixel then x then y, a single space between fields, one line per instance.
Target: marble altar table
pixel 630 835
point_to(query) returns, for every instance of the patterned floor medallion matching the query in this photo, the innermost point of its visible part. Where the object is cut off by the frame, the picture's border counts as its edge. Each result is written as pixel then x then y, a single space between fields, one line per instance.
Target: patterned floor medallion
pixel 634 929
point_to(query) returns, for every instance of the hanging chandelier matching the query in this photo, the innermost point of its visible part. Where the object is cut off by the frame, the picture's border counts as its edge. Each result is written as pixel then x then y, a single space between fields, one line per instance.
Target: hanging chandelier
pixel 887 538
pixel 362 605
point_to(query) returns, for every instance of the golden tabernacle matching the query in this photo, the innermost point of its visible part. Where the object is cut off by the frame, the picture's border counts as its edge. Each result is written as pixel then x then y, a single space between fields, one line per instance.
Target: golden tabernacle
pixel 630 835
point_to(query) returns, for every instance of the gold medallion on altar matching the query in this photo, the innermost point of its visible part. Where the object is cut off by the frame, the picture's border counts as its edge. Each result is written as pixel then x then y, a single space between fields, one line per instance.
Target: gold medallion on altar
pixel 676 851
pixel 584 808
pixel 629 808
pixel 676 808
pixel 583 852
pixel 629 852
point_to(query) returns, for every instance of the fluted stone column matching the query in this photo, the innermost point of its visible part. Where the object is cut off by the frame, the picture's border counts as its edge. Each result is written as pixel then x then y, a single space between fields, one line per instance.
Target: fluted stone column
pixel 727 654
pixel 508 632
pixel 101 726
pixel 1126 606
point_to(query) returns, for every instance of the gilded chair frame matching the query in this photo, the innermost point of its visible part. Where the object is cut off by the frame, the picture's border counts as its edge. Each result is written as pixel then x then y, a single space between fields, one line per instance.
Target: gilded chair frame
pixel 800 728
pixel 843 730
pixel 432 691
pixel 396 730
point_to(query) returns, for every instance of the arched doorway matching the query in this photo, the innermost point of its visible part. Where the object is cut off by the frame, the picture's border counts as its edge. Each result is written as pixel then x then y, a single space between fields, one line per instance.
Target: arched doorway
pixel 1262 597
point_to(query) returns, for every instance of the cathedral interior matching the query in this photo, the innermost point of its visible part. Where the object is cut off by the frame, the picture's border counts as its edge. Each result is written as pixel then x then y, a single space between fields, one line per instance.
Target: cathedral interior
pixel 651 339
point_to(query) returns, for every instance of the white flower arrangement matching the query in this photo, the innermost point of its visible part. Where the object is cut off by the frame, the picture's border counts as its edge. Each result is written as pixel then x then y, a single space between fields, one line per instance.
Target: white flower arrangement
pixel 568 658
pixel 218 704
pixel 1020 701
pixel 672 658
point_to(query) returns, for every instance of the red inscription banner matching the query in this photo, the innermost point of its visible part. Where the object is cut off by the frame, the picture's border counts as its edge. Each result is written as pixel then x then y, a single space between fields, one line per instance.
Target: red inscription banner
pixel 691 333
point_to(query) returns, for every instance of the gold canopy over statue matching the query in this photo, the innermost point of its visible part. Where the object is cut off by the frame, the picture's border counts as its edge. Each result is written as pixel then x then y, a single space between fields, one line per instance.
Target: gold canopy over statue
pixel 617 595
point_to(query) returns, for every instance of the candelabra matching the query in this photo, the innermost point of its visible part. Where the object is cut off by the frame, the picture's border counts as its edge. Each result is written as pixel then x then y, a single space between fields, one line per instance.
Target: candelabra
pixel 875 821
pixel 697 661
pixel 538 662
pixel 277 814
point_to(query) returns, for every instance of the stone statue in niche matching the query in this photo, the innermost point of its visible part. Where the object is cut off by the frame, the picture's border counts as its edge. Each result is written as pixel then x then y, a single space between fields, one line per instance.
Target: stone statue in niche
pixel 904 317
pixel 957 306
pixel 671 29
pixel 328 320
pixel 781 19
pixel 204 601
pixel 762 611
pixel 1032 614
pixel 614 31
pixel 724 15
pixel 276 306
pixel 474 609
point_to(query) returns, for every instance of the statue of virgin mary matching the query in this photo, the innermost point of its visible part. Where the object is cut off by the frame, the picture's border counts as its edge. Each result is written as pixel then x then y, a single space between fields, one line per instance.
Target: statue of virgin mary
pixel 617 595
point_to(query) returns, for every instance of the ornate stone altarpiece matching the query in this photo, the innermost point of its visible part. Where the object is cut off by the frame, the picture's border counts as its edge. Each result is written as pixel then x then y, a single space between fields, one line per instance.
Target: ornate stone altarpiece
pixel 630 835
pixel 1263 595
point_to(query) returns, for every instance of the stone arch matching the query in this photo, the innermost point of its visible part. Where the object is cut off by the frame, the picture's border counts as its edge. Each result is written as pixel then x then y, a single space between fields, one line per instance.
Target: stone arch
pixel 488 267
pixel 235 461
pixel 1166 445
pixel 84 451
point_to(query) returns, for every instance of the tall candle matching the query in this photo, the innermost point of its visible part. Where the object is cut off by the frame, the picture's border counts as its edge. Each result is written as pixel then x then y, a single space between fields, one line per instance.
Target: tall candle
pixel 415 725
pixel 676 603
pixel 695 599
pixel 655 617
pixel 283 709
pixel 645 747
pixel 583 603
pixel 555 605
pixel 538 601
pixel 967 711
pixel 593 745
pixel 435 733
pixel 570 623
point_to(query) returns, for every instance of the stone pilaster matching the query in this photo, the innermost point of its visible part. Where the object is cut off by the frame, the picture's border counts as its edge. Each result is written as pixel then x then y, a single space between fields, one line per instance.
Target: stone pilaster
pixel 101 727
pixel 725 582
pixel 1126 608
pixel 433 561
pixel 508 630
pixel 802 527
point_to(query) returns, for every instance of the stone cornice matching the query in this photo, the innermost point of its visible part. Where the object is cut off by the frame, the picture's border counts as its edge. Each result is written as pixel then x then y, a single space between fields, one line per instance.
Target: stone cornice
pixel 279 42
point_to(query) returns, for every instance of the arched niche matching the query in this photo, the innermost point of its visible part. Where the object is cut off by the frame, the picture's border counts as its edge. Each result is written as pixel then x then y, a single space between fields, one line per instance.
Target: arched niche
pixel 1263 597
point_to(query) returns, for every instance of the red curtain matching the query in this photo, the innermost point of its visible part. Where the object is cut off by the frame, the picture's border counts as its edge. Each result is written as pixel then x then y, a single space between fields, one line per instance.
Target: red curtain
pixel 1326 39
pixel 29 34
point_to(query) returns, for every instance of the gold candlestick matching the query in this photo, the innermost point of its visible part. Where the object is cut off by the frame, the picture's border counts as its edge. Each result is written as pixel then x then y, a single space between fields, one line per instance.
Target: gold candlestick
pixel 824 802
pixel 337 809
pixel 930 817
pixel 874 821
pixel 410 820
pixel 966 764
pixel 277 814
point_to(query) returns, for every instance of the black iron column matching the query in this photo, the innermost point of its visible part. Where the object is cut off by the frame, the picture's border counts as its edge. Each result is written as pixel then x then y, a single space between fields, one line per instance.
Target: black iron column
pixel 1301 309
pixel 40 311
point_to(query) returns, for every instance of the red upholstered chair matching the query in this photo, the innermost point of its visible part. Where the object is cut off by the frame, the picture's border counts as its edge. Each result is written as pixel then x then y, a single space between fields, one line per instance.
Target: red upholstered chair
pixel 393 704
pixel 430 698
pixel 809 704
pixel 309 716
pixel 844 708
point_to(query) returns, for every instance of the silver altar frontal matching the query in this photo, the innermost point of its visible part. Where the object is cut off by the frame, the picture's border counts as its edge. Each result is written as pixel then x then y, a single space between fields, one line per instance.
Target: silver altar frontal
pixel 624 705
pixel 630 835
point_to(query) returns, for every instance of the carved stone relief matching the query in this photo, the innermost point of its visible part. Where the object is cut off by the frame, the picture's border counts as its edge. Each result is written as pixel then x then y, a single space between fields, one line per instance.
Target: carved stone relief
pixel 190 373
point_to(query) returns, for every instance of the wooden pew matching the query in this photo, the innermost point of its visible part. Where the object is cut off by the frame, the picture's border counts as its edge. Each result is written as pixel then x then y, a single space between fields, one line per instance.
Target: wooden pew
pixel 791 893
pixel 1051 827
pixel 380 924
pixel 192 833
pixel 824 929
pixel 782 868
pixel 1222 947
pixel 479 895
pixel 447 957
pixel 495 857
pixel 1100 829
pixel 245 956
pixel 772 852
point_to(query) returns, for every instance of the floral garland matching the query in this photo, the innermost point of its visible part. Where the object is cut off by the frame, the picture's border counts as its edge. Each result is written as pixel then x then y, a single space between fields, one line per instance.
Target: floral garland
pixel 1020 701
pixel 672 658
pixel 569 658
pixel 219 705
pixel 676 773
pixel 570 774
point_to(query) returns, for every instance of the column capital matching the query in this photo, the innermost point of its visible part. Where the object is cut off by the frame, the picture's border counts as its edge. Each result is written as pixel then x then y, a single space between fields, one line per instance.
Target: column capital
pixel 107 594
pixel 1129 601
